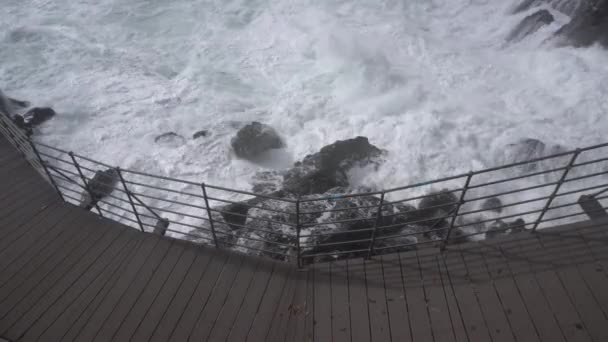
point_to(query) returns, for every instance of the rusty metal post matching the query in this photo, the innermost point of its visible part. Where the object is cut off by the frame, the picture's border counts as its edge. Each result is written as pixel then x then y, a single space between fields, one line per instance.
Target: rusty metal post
pixel 378 218
pixel 456 211
pixel 84 180
pixel 298 232
pixel 556 189
pixel 46 170
pixel 124 185
pixel 209 214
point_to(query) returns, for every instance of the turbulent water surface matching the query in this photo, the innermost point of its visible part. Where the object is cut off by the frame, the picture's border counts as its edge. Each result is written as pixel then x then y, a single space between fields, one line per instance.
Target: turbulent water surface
pixel 433 82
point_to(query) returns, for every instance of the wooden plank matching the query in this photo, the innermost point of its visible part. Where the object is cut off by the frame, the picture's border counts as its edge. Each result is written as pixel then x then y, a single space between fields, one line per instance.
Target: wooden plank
pixel 36 286
pixel 189 317
pixel 108 328
pixel 376 297
pixel 17 286
pixel 109 299
pixel 204 262
pixel 23 209
pixel 340 312
pixel 14 244
pixel 148 294
pixel 33 256
pixel 459 273
pixel 568 273
pixel 520 321
pixel 79 303
pixel 225 317
pixel 278 330
pixel 322 302
pixel 218 297
pixel 440 315
pixel 169 291
pixel 251 303
pixel 358 301
pixel 309 309
pixel 457 323
pixel 296 327
pixel 263 318
pixel 416 298
pixel 397 305
pixel 54 302
pixel 491 306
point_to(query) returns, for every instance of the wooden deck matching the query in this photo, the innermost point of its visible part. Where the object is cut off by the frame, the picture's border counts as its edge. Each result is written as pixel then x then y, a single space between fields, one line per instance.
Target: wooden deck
pixel 67 275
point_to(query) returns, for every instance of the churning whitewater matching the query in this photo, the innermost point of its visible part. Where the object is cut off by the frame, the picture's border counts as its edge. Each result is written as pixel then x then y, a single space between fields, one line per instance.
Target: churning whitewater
pixel 443 86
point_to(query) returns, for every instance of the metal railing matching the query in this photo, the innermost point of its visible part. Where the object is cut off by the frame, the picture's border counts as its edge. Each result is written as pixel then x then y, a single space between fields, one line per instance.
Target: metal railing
pixel 527 195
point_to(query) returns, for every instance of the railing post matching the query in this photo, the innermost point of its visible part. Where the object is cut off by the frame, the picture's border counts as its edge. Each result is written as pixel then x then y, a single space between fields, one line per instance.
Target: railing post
pixel 209 214
pixel 46 170
pixel 84 180
pixel 124 185
pixel 298 231
pixel 556 189
pixel 378 218
pixel 456 211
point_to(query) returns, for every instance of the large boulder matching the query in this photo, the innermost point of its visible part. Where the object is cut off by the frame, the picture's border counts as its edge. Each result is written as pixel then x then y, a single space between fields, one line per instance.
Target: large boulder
pixel 589 24
pixel 530 24
pixel 327 169
pixel 254 139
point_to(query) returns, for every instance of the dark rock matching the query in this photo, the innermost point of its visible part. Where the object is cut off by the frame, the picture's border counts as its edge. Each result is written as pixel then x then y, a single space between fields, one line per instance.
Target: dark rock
pixel 21 124
pixel 161 227
pixel 530 24
pixel 170 139
pixel 200 134
pixel 37 116
pixel 493 204
pixel 101 185
pixel 327 169
pixel 501 228
pixel 568 7
pixel 436 205
pixel 254 139
pixel 589 24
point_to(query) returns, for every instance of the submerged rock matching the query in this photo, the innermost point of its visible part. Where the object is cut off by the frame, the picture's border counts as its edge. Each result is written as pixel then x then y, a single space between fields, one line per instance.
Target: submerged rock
pixel 530 24
pixel 200 134
pixel 170 139
pixel 254 139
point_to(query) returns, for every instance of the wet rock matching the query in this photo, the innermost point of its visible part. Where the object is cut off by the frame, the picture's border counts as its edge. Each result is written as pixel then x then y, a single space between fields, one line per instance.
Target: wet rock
pixel 21 124
pixel 493 204
pixel 568 7
pixel 319 172
pixel 37 116
pixel 200 134
pixel 170 139
pixel 530 24
pixel 501 228
pixel 589 24
pixel 254 139
pixel 437 205
pixel 101 185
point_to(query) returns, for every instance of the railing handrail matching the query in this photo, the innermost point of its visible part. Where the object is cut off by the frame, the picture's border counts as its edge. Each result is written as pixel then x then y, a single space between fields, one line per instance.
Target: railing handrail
pixel 289 228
